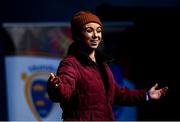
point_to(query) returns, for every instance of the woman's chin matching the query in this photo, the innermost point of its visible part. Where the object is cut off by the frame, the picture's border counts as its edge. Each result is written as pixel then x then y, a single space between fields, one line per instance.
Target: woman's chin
pixel 93 47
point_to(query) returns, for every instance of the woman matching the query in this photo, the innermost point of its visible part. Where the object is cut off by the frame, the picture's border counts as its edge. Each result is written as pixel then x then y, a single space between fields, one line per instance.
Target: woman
pixel 84 85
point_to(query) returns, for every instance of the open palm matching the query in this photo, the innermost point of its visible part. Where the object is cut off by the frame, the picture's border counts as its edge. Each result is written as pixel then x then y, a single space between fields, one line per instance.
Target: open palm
pixel 155 93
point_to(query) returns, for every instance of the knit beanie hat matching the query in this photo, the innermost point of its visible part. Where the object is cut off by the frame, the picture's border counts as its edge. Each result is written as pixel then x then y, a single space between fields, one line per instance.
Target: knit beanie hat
pixel 81 18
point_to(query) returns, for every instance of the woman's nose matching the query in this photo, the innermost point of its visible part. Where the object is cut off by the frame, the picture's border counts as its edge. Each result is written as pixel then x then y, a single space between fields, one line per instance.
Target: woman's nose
pixel 94 34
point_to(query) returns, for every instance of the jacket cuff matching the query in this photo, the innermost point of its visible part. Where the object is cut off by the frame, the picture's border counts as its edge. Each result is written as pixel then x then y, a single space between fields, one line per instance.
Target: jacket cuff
pixel 148 97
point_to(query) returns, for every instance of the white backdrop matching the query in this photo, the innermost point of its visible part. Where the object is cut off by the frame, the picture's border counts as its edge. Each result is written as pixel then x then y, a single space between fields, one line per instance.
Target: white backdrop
pixel 26 88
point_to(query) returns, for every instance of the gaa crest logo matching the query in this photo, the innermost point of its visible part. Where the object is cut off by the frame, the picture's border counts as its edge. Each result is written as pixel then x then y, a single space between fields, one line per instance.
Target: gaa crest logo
pixel 36 94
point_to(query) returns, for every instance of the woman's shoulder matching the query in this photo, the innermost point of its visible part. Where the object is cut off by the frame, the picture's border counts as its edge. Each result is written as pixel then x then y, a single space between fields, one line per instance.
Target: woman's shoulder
pixel 69 58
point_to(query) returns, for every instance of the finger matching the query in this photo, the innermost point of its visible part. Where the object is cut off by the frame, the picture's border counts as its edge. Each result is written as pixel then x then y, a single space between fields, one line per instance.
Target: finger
pixel 52 75
pixel 155 86
pixel 56 80
pixel 164 89
pixel 163 94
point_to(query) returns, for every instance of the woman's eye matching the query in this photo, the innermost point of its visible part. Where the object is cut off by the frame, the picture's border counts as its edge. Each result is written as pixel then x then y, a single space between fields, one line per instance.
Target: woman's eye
pixel 88 30
pixel 99 30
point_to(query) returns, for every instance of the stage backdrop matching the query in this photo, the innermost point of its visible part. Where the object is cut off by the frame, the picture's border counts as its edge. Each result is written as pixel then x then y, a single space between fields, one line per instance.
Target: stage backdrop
pixel 26 88
pixel 39 47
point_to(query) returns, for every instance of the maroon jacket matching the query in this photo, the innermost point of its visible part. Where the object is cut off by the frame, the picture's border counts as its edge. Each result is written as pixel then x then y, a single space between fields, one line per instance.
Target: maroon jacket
pixel 88 89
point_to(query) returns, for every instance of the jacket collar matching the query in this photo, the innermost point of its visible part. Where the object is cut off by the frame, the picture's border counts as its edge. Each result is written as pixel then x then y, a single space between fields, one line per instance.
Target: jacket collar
pixel 84 58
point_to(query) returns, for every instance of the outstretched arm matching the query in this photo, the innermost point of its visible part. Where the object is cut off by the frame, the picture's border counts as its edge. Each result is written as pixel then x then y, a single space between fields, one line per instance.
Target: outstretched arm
pixel 61 86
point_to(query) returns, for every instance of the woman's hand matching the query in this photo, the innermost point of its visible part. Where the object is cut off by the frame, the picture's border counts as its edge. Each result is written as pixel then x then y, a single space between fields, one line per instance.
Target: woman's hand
pixel 54 80
pixel 155 93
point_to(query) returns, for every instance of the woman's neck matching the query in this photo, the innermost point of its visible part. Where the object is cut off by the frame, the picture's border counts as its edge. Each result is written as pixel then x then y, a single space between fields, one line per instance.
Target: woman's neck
pixel 90 52
pixel 92 56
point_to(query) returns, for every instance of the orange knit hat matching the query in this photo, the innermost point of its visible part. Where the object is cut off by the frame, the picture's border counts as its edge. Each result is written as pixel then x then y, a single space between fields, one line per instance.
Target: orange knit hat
pixel 83 17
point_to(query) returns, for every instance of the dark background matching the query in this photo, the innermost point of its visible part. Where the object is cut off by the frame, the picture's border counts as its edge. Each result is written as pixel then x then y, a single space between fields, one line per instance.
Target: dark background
pixel 152 50
pixel 148 51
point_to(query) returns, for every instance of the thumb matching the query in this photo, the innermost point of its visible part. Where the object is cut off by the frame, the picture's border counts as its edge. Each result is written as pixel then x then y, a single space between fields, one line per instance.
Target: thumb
pixel 52 75
pixel 155 86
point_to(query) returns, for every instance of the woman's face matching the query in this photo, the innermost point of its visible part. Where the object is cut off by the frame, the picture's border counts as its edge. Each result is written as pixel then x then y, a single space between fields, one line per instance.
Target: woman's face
pixel 92 35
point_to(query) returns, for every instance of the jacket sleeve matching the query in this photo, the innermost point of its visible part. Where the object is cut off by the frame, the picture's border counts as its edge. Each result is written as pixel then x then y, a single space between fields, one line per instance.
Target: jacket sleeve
pixel 67 78
pixel 124 96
